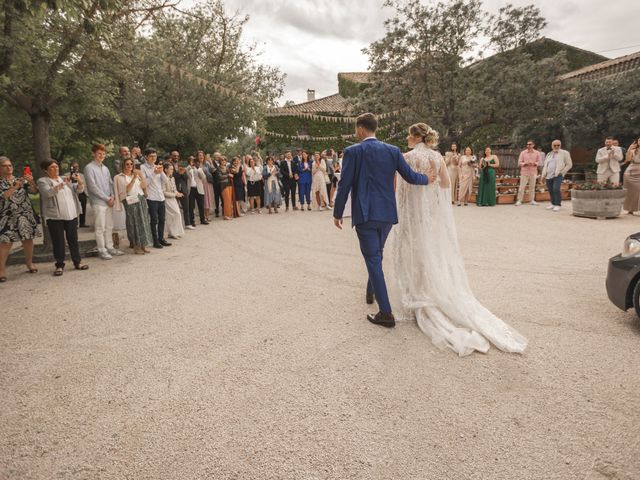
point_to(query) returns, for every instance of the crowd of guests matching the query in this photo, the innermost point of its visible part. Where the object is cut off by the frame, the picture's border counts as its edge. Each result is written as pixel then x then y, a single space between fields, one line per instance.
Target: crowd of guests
pixel 614 166
pixel 155 200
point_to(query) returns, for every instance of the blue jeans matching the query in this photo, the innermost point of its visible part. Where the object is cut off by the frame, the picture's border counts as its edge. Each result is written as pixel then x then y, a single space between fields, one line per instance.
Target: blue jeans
pixel 553 185
pixel 372 236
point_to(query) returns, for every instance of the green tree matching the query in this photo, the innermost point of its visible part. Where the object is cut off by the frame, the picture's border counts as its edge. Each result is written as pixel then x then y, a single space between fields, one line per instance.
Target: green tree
pixel 159 108
pixel 426 61
pixel 596 110
pixel 51 56
pixel 514 27
pixel 422 56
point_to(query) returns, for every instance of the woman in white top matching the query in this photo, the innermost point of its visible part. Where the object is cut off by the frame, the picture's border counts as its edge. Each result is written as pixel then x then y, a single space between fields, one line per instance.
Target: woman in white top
pixel 173 222
pixel 319 177
pixel 255 182
pixel 129 187
pixel 61 208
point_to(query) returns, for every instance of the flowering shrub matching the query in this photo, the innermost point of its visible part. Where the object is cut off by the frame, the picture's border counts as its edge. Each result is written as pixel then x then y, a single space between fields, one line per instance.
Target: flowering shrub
pixel 597 186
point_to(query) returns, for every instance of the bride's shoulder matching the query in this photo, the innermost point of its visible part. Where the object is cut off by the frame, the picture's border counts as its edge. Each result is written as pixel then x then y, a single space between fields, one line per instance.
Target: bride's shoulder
pixel 435 154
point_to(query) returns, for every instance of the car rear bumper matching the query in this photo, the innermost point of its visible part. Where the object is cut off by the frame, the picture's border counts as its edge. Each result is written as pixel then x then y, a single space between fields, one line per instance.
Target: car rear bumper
pixel 619 275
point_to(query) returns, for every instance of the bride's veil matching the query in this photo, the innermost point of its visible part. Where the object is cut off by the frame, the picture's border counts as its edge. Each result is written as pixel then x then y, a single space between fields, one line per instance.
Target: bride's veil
pixel 428 280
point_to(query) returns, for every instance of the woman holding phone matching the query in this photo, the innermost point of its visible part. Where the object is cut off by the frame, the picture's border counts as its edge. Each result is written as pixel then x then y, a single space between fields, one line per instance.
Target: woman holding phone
pixel 632 179
pixel 17 220
pixel 61 209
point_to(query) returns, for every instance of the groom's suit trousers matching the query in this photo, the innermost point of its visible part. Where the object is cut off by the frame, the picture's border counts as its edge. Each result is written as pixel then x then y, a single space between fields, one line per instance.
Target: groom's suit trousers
pixel 372 236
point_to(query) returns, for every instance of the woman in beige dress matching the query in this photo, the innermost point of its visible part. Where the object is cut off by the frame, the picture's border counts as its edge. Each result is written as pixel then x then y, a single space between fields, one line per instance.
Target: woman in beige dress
pixel 319 197
pixel 467 174
pixel 632 179
pixel 452 160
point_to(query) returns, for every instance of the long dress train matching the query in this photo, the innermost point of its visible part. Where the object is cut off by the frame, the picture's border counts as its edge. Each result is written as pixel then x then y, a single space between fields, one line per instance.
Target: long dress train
pixel 428 281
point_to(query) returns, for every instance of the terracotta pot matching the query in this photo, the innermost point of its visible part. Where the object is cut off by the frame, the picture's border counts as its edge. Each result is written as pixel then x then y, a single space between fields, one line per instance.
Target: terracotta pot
pixel 505 199
pixel 597 203
pixel 543 196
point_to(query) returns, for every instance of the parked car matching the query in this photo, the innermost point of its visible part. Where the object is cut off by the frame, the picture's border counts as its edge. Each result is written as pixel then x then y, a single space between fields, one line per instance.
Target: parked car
pixel 623 277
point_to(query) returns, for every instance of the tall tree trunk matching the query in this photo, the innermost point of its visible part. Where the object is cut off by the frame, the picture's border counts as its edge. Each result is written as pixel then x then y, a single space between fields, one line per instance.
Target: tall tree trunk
pixel 42 148
pixel 40 127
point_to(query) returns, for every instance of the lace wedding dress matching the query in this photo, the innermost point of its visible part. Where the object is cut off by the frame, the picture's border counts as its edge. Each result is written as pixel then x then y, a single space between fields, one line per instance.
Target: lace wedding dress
pixel 428 279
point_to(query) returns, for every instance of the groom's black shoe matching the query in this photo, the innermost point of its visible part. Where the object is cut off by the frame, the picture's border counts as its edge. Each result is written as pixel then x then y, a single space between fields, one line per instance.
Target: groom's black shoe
pixel 370 298
pixel 383 319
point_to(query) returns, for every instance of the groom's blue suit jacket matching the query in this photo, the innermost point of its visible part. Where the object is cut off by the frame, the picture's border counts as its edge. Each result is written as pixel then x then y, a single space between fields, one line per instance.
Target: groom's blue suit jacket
pixel 368 172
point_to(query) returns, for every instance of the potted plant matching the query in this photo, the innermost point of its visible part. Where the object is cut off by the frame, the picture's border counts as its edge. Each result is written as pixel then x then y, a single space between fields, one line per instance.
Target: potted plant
pixel 506 197
pixel 597 200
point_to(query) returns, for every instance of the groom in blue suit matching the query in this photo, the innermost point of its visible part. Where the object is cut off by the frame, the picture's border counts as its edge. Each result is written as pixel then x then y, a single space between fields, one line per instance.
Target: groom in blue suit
pixel 368 172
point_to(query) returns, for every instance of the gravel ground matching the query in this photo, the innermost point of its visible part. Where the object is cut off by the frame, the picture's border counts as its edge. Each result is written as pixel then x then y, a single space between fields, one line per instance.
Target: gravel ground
pixel 242 352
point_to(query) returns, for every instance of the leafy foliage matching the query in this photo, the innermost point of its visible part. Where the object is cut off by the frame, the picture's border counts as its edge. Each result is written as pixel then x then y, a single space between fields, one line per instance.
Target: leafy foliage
pixel 515 27
pixel 92 71
pixel 599 109
pixel 430 58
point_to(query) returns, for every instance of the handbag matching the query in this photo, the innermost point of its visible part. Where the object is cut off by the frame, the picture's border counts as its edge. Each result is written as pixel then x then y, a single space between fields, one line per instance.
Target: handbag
pixel 132 199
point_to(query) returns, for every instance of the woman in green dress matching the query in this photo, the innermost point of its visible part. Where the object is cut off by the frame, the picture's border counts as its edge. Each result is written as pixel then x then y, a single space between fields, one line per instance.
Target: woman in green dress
pixel 487 185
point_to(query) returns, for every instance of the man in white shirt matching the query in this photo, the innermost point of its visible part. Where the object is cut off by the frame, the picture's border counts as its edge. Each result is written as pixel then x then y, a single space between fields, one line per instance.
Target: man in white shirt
pixel 100 192
pixel 154 176
pixel 556 166
pixel 608 159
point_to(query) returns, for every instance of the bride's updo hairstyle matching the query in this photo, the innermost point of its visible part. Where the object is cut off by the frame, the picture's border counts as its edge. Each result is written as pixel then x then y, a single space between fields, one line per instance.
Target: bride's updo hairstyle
pixel 429 136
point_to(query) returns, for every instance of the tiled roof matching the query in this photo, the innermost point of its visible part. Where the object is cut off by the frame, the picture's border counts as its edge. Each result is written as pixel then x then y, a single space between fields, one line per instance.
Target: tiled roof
pixel 605 69
pixel 358 77
pixel 331 104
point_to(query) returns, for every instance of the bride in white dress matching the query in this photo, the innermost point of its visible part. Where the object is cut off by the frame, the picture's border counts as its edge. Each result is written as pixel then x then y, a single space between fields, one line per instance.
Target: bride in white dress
pixel 429 281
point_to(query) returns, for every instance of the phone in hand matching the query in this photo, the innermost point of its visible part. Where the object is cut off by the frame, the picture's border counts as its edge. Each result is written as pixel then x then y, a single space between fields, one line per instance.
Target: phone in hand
pixel 26 171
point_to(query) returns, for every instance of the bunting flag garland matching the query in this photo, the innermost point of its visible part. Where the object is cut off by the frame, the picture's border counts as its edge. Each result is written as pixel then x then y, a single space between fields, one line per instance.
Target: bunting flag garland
pixel 203 82
pixel 327 118
pixel 309 137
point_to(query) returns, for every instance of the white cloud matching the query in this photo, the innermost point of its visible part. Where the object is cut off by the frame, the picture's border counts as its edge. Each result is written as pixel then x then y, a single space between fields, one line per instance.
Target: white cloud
pixel 312 40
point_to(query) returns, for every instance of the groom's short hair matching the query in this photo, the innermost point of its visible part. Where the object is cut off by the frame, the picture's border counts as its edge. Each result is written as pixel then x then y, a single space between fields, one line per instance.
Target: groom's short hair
pixel 367 121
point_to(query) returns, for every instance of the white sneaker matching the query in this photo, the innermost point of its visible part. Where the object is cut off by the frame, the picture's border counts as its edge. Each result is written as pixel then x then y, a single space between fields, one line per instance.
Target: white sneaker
pixel 322 208
pixel 550 207
pixel 533 202
pixel 518 204
pixel 105 256
pixel 115 252
pixel 190 227
pixel 556 209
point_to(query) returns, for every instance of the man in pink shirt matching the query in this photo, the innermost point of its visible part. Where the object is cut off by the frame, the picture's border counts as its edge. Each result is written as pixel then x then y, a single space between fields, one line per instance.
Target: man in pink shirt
pixel 528 161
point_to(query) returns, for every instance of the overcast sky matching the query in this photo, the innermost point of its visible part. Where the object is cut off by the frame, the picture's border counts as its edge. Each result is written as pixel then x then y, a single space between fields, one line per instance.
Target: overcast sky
pixel 313 40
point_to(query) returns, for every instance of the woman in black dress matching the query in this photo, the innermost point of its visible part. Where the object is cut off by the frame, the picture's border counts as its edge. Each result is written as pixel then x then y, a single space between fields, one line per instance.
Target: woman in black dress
pixel 238 185
pixel 17 220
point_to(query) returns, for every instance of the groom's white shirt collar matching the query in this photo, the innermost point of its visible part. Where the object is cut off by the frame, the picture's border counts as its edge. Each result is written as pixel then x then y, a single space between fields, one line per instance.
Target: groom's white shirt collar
pixel 373 137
